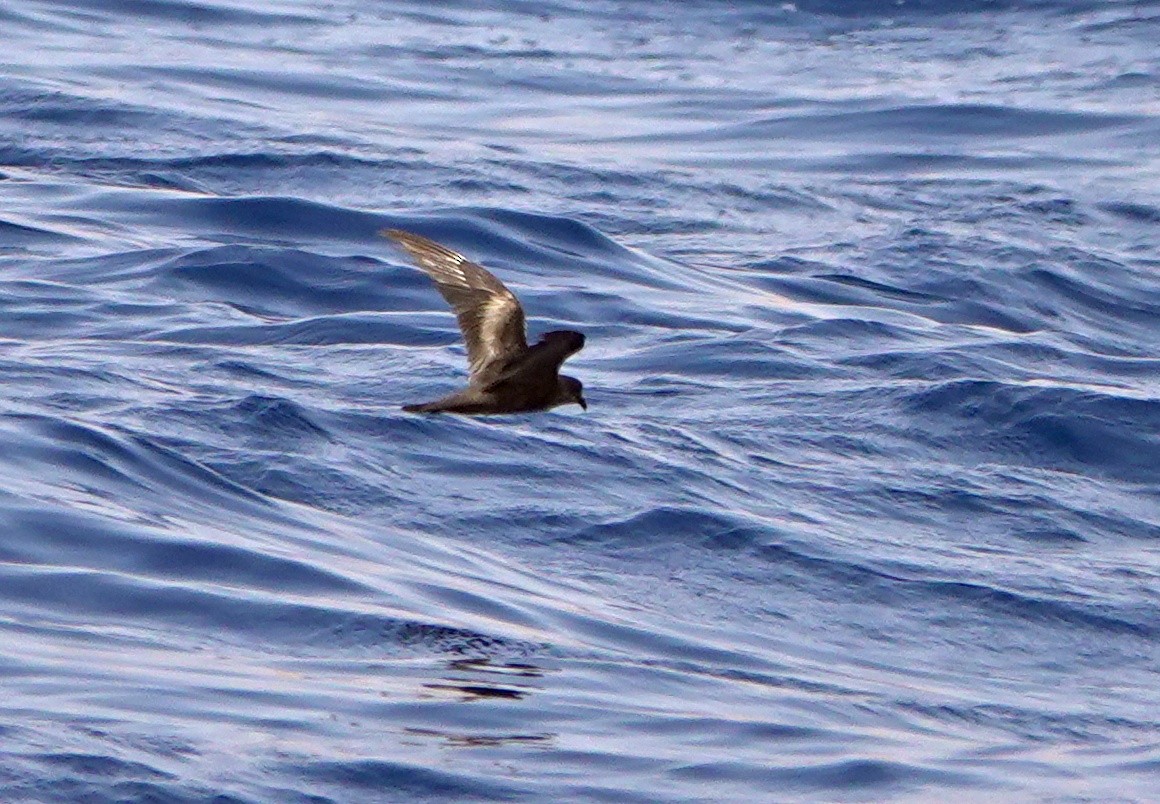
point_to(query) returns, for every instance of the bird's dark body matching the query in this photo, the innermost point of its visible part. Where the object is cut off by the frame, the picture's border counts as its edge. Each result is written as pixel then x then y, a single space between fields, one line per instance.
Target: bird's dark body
pixel 507 376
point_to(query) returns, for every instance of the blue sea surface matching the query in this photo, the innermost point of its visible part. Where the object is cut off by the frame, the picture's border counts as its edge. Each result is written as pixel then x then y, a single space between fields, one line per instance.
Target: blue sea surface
pixel 866 504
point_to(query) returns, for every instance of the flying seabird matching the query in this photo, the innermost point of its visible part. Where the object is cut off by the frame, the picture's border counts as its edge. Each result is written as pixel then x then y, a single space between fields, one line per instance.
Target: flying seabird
pixel 507 375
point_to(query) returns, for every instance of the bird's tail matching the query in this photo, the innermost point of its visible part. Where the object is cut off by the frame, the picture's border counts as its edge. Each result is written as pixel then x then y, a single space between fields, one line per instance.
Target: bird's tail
pixel 465 401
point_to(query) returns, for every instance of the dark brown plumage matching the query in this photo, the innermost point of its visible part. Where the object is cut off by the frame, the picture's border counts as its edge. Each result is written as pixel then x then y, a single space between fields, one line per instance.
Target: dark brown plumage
pixel 507 375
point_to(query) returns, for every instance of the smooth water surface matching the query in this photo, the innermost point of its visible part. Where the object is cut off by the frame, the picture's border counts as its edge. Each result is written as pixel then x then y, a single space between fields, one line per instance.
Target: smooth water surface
pixel 866 505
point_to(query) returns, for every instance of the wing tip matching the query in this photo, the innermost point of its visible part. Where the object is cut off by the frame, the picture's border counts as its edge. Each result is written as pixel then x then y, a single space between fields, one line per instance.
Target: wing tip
pixel 566 338
pixel 398 235
pixel 421 247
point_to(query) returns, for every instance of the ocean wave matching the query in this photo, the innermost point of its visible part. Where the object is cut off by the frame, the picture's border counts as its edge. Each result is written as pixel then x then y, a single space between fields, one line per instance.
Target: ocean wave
pixel 865 500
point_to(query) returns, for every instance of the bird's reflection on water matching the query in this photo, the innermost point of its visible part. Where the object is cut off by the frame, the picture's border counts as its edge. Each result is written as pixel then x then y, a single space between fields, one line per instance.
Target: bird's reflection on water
pixel 477 679
pixel 482 740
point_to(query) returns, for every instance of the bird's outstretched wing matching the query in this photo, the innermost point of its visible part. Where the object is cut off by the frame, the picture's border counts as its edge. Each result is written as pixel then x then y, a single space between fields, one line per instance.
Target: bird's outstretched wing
pixel 489 314
pixel 541 362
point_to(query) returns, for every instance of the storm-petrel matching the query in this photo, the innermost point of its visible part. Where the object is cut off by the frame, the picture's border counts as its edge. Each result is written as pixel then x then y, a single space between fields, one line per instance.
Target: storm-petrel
pixel 507 375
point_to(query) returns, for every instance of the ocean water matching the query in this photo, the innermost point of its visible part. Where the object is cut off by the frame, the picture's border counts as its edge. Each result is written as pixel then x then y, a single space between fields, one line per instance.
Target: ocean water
pixel 865 507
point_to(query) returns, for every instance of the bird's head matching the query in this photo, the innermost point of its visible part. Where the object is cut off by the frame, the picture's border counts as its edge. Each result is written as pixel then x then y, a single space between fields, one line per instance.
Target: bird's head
pixel 570 390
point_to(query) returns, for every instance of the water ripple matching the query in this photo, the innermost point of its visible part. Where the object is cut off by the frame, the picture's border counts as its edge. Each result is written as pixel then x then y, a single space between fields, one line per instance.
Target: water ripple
pixel 864 506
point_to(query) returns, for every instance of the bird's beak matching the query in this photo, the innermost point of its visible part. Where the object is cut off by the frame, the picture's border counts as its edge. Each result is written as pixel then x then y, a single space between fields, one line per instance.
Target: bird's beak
pixel 580 401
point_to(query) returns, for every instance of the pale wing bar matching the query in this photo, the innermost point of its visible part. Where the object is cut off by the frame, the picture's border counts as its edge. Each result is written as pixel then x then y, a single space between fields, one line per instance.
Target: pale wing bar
pixel 489 314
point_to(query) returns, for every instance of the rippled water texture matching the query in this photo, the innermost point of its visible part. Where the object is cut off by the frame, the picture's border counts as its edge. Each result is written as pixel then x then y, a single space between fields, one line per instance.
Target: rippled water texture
pixel 866 505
